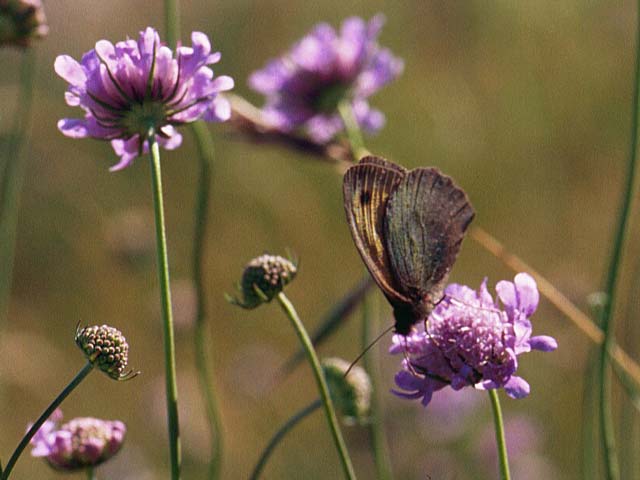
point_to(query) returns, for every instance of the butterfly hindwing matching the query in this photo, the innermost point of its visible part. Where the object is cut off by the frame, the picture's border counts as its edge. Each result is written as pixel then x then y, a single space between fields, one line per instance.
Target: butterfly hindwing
pixel 425 221
pixel 367 187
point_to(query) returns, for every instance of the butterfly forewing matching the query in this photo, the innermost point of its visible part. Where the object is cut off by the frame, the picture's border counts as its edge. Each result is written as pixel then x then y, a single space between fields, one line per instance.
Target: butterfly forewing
pixel 425 221
pixel 367 187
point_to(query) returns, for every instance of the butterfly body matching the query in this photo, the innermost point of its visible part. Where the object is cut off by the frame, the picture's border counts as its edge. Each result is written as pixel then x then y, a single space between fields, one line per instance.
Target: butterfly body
pixel 407 227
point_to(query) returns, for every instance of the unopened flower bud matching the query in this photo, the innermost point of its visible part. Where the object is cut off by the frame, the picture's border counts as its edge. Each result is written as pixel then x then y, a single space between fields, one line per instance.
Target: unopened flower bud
pixel 106 348
pixel 351 394
pixel 263 278
pixel 20 21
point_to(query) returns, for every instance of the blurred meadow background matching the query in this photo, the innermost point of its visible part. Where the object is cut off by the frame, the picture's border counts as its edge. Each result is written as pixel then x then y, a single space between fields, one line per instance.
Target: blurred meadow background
pixel 525 104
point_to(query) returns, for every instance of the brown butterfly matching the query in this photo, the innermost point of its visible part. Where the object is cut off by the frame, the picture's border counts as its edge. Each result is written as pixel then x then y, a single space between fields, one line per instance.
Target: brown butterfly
pixel 408 227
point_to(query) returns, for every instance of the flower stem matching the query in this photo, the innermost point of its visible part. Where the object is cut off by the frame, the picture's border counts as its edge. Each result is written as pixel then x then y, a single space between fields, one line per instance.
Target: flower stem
pixel 12 178
pixel 167 316
pixel 327 403
pixel 500 439
pixel 172 21
pixel 353 130
pixel 91 474
pixel 606 323
pixel 379 443
pixel 280 434
pixel 45 415
pixel 203 360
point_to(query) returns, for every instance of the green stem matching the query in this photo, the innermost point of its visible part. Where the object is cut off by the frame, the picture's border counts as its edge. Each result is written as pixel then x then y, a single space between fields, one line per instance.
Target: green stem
pixel 280 434
pixel 45 415
pixel 354 134
pixel 379 443
pixel 327 403
pixel 500 440
pixel 203 360
pixel 606 323
pixel 167 316
pixel 172 22
pixel 91 474
pixel 12 178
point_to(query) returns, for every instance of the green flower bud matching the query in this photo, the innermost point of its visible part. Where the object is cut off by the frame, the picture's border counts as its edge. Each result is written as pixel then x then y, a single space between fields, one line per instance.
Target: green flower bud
pixel 107 349
pixel 351 394
pixel 263 278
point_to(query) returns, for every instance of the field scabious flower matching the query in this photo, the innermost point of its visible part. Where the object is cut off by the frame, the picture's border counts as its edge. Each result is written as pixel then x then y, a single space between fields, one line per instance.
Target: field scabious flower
pixel 78 444
pixel 305 86
pixel 471 341
pixel 134 87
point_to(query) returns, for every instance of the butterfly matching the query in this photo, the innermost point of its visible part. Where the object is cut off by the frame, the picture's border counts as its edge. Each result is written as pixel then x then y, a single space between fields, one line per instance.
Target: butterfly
pixel 407 226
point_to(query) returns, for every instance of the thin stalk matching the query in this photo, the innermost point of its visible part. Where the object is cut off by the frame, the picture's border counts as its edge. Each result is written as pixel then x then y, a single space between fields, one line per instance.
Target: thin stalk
pixel 280 434
pixel 12 178
pixel 606 322
pixel 379 444
pixel 91 474
pixel 167 315
pixel 172 22
pixel 590 422
pixel 354 134
pixel 45 415
pixel 498 423
pixel 203 359
pixel 327 403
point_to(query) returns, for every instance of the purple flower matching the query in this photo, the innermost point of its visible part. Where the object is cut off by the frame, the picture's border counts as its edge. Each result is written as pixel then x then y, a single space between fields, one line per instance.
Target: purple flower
pixel 471 341
pixel 305 85
pixel 78 444
pixel 130 88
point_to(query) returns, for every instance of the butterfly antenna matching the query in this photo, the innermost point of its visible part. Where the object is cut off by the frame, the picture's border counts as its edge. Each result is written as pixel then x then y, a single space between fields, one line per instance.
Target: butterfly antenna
pixel 367 348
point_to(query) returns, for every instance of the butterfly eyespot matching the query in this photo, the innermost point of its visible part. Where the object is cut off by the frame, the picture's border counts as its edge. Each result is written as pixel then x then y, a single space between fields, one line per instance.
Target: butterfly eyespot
pixel 365 197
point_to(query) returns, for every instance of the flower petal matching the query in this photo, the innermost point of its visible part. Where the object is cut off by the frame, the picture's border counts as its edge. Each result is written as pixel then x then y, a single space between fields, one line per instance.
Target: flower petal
pixel 527 291
pixel 70 70
pixel 543 343
pixel 517 387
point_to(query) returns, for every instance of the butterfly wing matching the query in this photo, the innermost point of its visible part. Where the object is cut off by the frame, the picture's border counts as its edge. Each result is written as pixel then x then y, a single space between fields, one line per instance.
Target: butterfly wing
pixel 425 222
pixel 367 187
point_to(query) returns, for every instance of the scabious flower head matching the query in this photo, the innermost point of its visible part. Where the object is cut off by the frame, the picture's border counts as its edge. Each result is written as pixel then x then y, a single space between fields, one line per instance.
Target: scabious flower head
pixel 21 21
pixel 78 444
pixel 471 341
pixel 351 394
pixel 132 87
pixel 263 278
pixel 305 85
pixel 106 348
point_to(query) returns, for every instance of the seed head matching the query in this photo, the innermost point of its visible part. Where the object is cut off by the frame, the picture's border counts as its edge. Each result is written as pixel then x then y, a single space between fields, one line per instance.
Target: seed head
pixel 351 394
pixel 21 21
pixel 263 278
pixel 106 348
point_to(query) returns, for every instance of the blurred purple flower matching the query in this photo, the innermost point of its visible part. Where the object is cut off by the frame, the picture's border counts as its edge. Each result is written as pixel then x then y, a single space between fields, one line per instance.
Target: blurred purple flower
pixel 134 86
pixel 471 341
pixel 78 444
pixel 305 85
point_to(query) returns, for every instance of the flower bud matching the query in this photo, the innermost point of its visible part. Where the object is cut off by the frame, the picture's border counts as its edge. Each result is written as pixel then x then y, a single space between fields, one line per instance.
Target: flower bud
pixel 106 348
pixel 78 444
pixel 20 21
pixel 351 394
pixel 263 278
